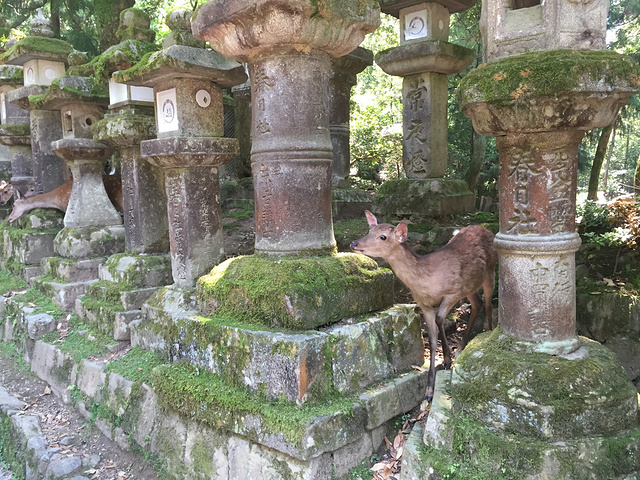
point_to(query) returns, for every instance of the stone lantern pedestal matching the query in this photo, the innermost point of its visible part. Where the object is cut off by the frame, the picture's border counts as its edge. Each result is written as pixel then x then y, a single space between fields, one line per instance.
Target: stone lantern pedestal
pixel 92 226
pixel 424 59
pixel 532 383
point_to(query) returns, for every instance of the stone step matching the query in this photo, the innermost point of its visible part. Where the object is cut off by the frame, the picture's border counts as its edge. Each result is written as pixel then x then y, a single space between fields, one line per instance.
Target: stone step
pixel 64 295
pixel 70 270
pixel 121 324
pixel 300 366
pixel 138 270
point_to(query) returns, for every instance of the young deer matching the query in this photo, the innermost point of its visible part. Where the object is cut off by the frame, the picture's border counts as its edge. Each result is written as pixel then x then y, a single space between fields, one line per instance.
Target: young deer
pixel 59 198
pixel 440 279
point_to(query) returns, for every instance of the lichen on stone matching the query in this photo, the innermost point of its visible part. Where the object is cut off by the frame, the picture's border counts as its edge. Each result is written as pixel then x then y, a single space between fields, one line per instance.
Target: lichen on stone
pixel 546 74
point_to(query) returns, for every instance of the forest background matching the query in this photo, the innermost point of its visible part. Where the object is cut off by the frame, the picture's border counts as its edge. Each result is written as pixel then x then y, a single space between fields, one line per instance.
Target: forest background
pixel 609 158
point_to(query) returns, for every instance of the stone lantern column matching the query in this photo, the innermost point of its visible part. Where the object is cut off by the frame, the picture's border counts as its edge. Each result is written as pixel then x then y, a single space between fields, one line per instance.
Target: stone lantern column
pixel 15 134
pixel 343 78
pixel 44 59
pixel 187 82
pixel 424 59
pixel 288 46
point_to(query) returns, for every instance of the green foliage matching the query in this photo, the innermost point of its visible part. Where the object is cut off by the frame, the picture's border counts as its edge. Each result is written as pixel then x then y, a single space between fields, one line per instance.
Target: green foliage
pixel 136 365
pixel 9 282
pixel 614 225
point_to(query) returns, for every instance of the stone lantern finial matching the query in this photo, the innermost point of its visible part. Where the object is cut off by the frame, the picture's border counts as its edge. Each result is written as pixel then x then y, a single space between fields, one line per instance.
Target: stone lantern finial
pixel 179 22
pixel 134 25
pixel 41 26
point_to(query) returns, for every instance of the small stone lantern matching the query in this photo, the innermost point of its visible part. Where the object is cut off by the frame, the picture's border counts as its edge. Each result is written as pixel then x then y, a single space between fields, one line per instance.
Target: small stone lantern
pixel 89 213
pixel 187 82
pixel 44 60
pixel 424 59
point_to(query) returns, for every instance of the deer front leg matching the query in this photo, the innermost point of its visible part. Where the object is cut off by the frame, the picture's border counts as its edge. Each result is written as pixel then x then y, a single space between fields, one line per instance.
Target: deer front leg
pixel 429 316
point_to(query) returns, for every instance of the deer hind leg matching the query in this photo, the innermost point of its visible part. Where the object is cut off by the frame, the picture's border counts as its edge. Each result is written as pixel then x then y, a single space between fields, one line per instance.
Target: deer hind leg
pixel 487 288
pixel 445 307
pixel 476 303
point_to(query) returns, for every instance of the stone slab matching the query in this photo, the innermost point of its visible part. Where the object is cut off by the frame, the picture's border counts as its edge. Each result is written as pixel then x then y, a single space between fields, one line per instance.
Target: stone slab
pixel 64 295
pixel 138 270
pixel 89 242
pixel 70 270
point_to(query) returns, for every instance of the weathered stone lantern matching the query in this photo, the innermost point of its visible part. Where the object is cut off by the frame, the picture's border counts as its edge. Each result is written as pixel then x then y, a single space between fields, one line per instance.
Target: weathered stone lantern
pixel 533 379
pixel 44 60
pixel 187 82
pixel 14 131
pixel 89 206
pixel 130 121
pixel 291 144
pixel 424 59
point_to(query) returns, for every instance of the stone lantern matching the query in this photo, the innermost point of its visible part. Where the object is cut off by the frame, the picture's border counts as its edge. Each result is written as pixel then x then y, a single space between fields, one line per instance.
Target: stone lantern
pixel 187 82
pixel 424 59
pixel 14 131
pixel 129 121
pixel 533 379
pixel 44 60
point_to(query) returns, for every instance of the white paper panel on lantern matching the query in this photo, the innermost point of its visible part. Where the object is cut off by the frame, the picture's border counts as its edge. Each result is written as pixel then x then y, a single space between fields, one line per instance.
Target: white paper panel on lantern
pixel 3 109
pixel 415 24
pixel 167 110
pixel 117 92
pixel 142 94
pixel 42 72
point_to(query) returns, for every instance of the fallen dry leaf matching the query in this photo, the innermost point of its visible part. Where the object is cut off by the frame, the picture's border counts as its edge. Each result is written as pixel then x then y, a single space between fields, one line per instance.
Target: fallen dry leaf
pixel 47 390
pixel 420 369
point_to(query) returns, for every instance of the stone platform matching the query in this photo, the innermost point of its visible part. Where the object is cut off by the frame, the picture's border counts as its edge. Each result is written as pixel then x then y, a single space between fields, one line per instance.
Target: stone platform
pixel 583 424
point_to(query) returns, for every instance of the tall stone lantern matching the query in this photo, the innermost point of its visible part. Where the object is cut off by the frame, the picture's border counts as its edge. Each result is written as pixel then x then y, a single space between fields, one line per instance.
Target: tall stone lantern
pixel 288 45
pixel 187 82
pixel 424 59
pixel 533 379
pixel 44 60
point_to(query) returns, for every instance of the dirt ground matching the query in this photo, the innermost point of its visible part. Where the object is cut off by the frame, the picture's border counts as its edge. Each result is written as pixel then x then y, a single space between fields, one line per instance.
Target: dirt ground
pixel 104 460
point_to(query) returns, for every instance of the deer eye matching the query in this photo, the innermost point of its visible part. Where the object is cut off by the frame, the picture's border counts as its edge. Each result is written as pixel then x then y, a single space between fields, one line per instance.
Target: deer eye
pixel 382 237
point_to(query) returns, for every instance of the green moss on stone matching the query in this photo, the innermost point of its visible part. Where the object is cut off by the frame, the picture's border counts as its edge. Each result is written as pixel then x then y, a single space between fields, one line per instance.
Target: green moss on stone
pixel 546 74
pixel 35 43
pixel 136 365
pixel 210 399
pixel 9 282
pixel 15 129
pixel 267 292
pixel 37 300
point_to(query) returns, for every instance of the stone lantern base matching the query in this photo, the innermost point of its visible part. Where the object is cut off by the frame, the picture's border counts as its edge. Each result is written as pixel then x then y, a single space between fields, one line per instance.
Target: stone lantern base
pixel 429 197
pixel 506 408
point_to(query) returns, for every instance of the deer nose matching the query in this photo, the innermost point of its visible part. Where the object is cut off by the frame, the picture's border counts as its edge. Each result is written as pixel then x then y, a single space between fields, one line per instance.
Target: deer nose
pixel 354 244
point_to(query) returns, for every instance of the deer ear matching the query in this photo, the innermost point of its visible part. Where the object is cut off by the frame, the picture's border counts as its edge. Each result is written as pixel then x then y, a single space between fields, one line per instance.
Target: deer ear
pixel 17 194
pixel 401 232
pixel 371 219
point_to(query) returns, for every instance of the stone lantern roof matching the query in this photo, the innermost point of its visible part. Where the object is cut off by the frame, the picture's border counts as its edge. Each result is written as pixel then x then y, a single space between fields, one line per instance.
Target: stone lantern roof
pixel 185 62
pixel 67 90
pixel 393 7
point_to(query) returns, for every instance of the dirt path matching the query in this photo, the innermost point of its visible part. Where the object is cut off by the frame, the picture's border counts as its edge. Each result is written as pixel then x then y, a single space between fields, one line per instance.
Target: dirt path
pixel 63 427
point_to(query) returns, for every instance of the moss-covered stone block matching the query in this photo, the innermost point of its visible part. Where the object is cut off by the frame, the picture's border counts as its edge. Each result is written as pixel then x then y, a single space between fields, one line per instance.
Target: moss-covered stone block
pixel 138 271
pixel 507 386
pixel 416 199
pixel 100 304
pixel 89 242
pixel 24 247
pixel 70 270
pixel 295 293
pixel 51 48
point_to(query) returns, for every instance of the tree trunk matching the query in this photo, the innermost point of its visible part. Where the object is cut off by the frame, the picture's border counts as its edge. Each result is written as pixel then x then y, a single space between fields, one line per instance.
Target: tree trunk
pixel 597 162
pixel 107 16
pixel 478 150
pixel 605 180
pixel 636 180
pixel 55 17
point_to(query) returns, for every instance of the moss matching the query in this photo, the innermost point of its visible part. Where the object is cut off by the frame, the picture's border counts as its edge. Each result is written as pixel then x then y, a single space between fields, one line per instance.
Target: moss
pixel 9 282
pixel 15 129
pixel 90 91
pixel 126 125
pixel 201 459
pixel 37 300
pixel 546 74
pixel 495 368
pixel 34 43
pixel 120 56
pixel 263 291
pixel 78 346
pixel 210 399
pixel 136 365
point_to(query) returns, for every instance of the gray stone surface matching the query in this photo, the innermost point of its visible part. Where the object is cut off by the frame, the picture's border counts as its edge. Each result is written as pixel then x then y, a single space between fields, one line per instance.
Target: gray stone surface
pixel 90 379
pixel 140 271
pixel 436 431
pixel 39 325
pixel 89 242
pixel 7 402
pixel 63 467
